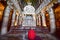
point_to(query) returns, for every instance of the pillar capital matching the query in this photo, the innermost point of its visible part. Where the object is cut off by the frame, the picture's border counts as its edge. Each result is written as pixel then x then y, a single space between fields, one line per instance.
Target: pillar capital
pixel 10 4
pixel 42 13
pixel 50 10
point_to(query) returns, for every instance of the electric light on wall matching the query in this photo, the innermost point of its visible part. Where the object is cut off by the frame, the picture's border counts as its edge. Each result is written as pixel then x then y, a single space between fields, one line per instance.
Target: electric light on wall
pixel 46 14
pixel 0 12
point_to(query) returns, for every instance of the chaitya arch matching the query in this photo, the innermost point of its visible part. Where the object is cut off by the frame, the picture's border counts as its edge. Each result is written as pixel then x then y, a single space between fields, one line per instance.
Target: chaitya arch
pixel 29 9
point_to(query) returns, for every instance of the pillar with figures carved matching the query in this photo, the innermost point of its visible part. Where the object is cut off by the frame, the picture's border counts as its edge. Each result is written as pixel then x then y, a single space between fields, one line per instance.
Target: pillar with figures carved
pixel 5 21
pixel 52 20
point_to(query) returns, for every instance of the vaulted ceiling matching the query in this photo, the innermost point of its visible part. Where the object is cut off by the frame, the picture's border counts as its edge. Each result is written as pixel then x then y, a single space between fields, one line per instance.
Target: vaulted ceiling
pixel 35 3
pixel 23 3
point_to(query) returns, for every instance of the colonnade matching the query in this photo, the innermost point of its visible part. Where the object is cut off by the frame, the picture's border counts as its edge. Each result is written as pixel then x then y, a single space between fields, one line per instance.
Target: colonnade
pixel 12 4
pixel 41 19
pixel 51 17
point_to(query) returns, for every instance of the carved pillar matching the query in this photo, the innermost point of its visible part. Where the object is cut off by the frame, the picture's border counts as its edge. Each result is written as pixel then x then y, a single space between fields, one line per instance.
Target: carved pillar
pixel 43 19
pixel 52 20
pixel 16 19
pixel 13 17
pixel 20 19
pixel 5 21
pixel 34 20
pixel 39 20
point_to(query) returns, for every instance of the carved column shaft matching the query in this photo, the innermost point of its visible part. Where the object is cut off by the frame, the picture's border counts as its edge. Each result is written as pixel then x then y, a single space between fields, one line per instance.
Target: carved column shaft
pixel 39 21
pixel 16 19
pixel 52 20
pixel 13 18
pixel 20 20
pixel 43 19
pixel 5 21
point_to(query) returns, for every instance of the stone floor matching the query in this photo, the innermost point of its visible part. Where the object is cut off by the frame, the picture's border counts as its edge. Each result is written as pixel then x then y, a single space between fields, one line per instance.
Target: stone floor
pixel 24 37
pixel 20 33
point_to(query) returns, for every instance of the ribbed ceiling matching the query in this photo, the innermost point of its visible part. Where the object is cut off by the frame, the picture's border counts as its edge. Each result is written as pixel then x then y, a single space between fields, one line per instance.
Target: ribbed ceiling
pixel 35 3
